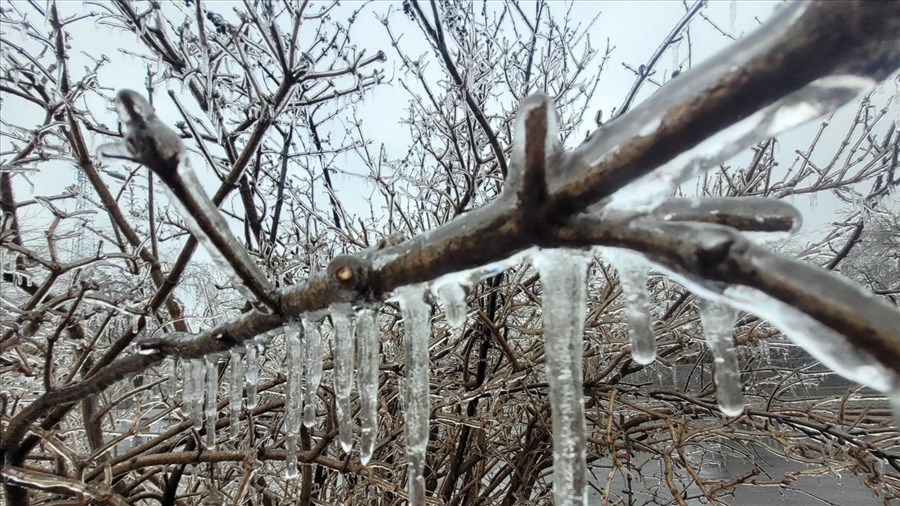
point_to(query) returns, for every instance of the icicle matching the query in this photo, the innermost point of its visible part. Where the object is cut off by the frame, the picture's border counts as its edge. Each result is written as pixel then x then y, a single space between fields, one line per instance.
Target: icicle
pixel 212 388
pixel 187 389
pixel 341 317
pixel 251 356
pixel 417 334
pixel 367 338
pixel 453 296
pixel 896 103
pixel 198 371
pixel 294 365
pixel 718 323
pixel 633 273
pixel 293 400
pixel 290 463
pixel 236 392
pixel 564 275
pixel 313 351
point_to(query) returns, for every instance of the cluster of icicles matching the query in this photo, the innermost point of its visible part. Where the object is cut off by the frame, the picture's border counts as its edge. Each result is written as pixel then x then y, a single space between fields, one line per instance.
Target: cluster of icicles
pixel 356 356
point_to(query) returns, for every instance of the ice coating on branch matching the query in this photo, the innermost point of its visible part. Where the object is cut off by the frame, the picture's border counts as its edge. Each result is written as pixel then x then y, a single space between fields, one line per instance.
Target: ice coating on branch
pixel 312 330
pixel 151 142
pixel 293 399
pixel 808 103
pixel 417 334
pixel 468 278
pixel 762 220
pixel 367 381
pixel 824 344
pixel 548 132
pixel 342 318
pixel 718 324
pixel 816 99
pixel 633 273
pixel 251 367
pixel 212 388
pixel 564 278
pixel 194 189
pixel 453 297
pixel 235 392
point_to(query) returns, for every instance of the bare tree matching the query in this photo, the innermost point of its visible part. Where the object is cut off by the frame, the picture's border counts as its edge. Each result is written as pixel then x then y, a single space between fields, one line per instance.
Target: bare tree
pixel 134 373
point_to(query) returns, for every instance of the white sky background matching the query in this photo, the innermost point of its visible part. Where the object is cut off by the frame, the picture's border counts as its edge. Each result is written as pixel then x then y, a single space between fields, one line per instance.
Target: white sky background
pixel 635 29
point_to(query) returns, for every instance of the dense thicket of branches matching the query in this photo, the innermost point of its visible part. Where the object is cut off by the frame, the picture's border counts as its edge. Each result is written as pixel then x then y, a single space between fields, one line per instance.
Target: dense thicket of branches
pixel 102 282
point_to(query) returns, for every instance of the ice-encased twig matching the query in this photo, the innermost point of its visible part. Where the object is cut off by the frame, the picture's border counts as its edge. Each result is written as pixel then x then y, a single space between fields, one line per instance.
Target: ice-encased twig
pixel 633 274
pixel 718 323
pixel 312 330
pixel 759 219
pixel 564 278
pixel 342 318
pixel 152 143
pixel 417 334
pixel 820 341
pixel 808 103
pixel 367 340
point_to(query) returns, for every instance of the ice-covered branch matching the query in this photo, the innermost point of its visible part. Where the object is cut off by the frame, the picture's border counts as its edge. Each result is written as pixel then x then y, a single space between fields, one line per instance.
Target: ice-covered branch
pixel 152 143
pixel 813 57
pixel 714 259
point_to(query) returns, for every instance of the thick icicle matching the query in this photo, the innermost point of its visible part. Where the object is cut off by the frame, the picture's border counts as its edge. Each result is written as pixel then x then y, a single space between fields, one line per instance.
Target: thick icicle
pixel 718 324
pixel 453 296
pixel 564 276
pixel 293 400
pixel 252 373
pixel 417 334
pixel 212 388
pixel 235 392
pixel 198 371
pixel 367 339
pixel 187 390
pixel 342 318
pixel 313 353
pixel 633 273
